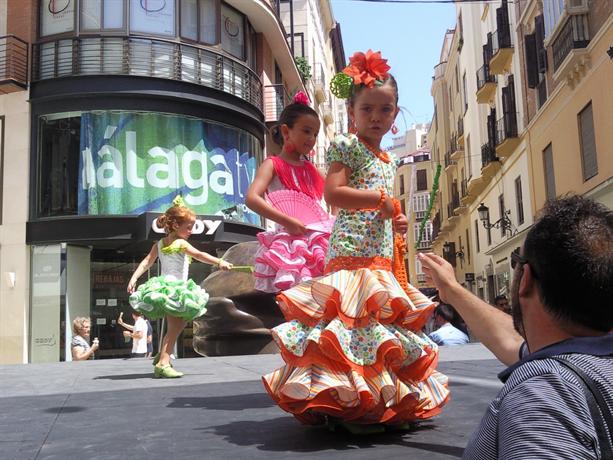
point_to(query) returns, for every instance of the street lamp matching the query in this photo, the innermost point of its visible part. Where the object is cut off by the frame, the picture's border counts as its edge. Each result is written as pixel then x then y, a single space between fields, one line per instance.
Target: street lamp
pixel 504 222
pixel 449 249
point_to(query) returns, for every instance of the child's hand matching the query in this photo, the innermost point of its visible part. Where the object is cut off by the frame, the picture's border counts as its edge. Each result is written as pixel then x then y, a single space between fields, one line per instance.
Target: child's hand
pixel 225 266
pixel 400 224
pixel 295 227
pixel 387 210
pixel 131 285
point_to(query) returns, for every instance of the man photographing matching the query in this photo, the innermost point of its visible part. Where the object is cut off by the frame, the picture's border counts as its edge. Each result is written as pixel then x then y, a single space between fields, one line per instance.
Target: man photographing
pixel 561 308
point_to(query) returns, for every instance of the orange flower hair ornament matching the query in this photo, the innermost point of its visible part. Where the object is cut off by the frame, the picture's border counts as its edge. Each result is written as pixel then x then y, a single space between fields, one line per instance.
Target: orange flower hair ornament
pixel 368 69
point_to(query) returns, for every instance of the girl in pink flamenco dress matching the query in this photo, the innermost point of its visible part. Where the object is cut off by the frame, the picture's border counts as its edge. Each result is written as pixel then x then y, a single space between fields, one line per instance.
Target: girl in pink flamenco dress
pixel 292 253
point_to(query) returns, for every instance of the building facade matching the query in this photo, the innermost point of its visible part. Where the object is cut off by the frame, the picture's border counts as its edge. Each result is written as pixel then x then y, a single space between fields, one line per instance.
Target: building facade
pixel 516 80
pixel 318 43
pixel 108 109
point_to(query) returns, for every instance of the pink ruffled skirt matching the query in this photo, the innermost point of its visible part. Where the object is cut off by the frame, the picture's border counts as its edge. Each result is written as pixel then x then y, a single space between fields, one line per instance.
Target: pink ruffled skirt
pixel 283 260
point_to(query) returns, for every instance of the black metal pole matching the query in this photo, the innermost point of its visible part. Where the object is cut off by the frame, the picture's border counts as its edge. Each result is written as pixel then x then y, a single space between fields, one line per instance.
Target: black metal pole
pixel 291 25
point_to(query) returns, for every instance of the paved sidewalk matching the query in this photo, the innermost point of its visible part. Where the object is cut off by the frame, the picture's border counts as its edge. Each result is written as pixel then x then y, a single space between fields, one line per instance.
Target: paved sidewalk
pixel 113 409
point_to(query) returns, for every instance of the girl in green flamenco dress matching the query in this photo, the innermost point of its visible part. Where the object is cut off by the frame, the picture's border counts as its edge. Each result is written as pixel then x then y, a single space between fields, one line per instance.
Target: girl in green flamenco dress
pixel 172 294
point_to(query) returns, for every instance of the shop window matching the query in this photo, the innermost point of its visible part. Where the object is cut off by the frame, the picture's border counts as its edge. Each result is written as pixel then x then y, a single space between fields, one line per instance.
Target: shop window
pixel 98 15
pixel 123 163
pixel 58 163
pixel 156 17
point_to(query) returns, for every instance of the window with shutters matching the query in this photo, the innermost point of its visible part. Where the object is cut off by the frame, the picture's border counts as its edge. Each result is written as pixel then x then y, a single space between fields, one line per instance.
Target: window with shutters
pixel 550 181
pixel 422 180
pixel 587 140
pixel 519 201
pixel 402 184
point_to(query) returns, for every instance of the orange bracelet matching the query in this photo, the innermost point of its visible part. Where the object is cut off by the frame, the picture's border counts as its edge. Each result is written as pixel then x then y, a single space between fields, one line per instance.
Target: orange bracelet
pixel 382 200
pixel 397 207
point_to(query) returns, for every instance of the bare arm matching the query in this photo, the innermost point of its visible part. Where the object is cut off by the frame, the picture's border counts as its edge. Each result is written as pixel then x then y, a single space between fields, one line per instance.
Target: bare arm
pixel 206 258
pixel 491 326
pixel 145 264
pixel 129 327
pixel 338 193
pixel 79 353
pixel 256 202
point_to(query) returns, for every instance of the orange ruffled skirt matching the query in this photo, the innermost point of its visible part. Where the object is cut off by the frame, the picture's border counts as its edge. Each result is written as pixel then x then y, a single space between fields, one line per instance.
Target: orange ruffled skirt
pixel 354 350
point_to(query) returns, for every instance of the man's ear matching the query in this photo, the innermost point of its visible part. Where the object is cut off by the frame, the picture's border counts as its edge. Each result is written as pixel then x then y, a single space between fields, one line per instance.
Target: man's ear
pixel 527 282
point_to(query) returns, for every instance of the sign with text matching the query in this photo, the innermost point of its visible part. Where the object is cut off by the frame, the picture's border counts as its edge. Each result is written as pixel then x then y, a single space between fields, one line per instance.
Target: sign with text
pixel 136 162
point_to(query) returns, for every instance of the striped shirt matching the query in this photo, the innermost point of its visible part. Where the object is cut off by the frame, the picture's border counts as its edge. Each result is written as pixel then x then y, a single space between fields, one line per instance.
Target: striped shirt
pixel 542 412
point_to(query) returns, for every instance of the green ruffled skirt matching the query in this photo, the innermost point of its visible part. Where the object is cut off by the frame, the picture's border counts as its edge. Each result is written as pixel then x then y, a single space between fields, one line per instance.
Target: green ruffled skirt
pixel 166 295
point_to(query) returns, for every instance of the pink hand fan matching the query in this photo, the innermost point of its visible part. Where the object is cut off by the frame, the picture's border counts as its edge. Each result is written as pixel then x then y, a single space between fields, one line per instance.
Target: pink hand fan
pixel 301 207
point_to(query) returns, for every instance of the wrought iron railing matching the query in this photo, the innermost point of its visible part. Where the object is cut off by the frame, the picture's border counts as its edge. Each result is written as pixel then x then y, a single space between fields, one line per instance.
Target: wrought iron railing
pixel 460 126
pixel 448 160
pixel 488 155
pixel 436 225
pixel 501 38
pixel 575 33
pixel 464 188
pixel 144 57
pixel 13 60
pixel 275 100
pixel 506 127
pixel 484 76
pixel 439 70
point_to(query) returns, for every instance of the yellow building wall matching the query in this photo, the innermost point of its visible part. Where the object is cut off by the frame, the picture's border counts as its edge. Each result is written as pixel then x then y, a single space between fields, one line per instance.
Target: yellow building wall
pixel 557 124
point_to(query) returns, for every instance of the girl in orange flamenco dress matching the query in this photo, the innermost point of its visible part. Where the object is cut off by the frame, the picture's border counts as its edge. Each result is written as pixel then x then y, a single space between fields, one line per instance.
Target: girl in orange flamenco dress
pixel 352 343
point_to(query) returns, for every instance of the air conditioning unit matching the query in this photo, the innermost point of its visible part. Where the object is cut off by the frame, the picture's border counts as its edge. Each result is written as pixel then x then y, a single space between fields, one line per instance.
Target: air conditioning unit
pixel 576 6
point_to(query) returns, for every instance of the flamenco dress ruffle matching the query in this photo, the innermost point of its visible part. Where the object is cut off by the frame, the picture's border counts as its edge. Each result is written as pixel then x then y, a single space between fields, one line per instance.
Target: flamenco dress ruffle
pixel 353 350
pixel 283 260
pixel 167 295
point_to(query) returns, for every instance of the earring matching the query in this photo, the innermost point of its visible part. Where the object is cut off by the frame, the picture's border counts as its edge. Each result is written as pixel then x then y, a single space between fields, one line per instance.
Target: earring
pixel 394 129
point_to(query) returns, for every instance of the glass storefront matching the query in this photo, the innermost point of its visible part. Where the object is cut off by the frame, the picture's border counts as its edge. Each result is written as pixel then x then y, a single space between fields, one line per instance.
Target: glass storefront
pixel 126 163
pixel 71 281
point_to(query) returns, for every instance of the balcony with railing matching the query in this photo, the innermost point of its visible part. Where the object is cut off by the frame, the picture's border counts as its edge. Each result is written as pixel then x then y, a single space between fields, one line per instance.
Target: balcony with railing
pixel 490 164
pixel 275 100
pixel 506 135
pixel 465 196
pixel 140 57
pixel 319 83
pixel 574 34
pixel 502 49
pixel 449 163
pixel 461 131
pixel 436 226
pixel 13 64
pixel 486 85
pixel 327 112
pixel 455 199
pixel 439 70
pixel 456 149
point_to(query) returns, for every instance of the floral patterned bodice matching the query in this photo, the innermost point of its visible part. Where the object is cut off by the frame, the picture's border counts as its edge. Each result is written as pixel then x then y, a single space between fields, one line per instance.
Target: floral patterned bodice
pixel 358 232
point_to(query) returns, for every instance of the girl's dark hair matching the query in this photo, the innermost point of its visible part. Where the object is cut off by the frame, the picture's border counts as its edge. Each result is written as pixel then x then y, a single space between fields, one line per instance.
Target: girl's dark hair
pixel 290 115
pixel 390 80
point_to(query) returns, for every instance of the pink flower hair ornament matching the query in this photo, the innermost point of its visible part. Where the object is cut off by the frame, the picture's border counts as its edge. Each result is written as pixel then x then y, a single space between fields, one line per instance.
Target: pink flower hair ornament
pixel 301 98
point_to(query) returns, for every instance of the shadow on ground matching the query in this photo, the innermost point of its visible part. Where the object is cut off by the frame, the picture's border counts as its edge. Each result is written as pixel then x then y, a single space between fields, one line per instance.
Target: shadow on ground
pixel 285 434
pixel 259 400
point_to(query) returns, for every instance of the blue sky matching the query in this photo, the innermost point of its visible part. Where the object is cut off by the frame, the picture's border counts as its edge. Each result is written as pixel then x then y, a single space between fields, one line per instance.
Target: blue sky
pixel 410 36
